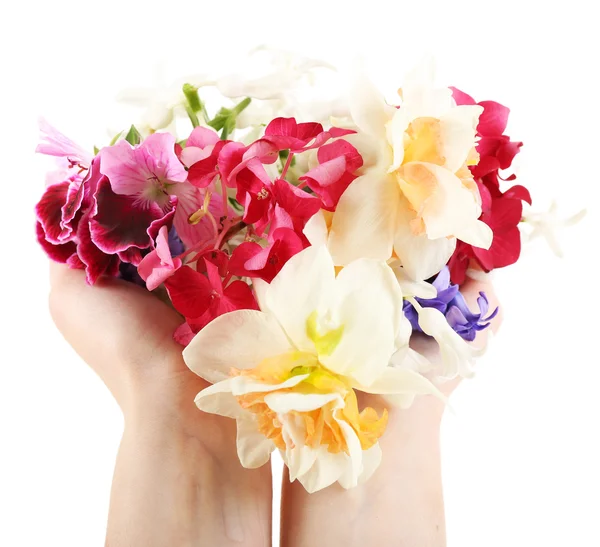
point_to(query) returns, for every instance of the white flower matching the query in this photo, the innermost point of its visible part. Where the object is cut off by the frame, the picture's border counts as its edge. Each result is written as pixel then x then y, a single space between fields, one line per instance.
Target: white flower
pixel 161 102
pixel 289 373
pixel 416 195
pixel 282 83
pixel 547 224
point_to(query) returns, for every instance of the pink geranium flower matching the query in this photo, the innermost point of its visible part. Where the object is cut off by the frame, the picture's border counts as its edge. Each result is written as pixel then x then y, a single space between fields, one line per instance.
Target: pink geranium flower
pixel 158 265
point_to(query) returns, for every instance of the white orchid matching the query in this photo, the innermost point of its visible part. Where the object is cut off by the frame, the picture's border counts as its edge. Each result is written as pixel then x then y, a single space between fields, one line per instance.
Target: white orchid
pixel 416 195
pixel 289 373
pixel 546 224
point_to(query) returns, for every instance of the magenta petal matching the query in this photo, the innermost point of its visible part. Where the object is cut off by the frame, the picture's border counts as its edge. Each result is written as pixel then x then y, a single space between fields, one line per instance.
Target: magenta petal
pixel 493 119
pixel 96 262
pixel 518 192
pixel 120 221
pixel 190 292
pixel 49 211
pixel 239 296
pixel 461 97
pixel 54 143
pixel 157 152
pixel 59 252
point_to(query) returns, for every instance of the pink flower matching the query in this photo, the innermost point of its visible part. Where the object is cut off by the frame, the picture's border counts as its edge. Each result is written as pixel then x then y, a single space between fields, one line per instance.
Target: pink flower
pixel 200 298
pixel 287 134
pixel 158 265
pixel 251 260
pixel 338 163
pixel 151 176
pixel 54 143
pixel 201 155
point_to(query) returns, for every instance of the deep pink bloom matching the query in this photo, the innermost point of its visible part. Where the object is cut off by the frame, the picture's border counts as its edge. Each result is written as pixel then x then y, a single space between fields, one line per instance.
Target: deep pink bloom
pixel 287 134
pixel 292 208
pixel 338 163
pixel 501 211
pixel 200 298
pixel 251 260
pixel 158 265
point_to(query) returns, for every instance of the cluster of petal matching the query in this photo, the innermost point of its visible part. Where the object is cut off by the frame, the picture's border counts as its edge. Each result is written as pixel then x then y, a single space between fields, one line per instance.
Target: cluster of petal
pixel 289 373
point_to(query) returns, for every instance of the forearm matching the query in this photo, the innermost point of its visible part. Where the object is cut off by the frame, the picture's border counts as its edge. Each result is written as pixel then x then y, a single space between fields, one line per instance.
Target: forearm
pixel 168 490
pixel 401 505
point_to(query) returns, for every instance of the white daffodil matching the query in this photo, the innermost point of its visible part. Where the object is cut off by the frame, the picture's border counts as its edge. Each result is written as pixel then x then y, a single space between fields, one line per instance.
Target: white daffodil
pixel 547 224
pixel 289 374
pixel 416 195
pixel 457 355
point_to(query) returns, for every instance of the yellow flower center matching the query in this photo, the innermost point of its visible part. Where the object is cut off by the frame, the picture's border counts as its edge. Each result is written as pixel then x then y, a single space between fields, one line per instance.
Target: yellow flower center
pixel 321 425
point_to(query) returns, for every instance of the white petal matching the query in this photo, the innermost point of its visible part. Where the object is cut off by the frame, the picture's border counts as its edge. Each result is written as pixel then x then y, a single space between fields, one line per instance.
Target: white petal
pixel 325 470
pixel 300 402
pixel 363 223
pixel 400 386
pixel 419 96
pixel 354 465
pixel 452 209
pixel 240 339
pixel 411 287
pixel 316 230
pixel 302 286
pixel 242 385
pixel 260 291
pixel 371 459
pixel 253 448
pixel 218 399
pixel 395 134
pixel 297 455
pixel 458 128
pixel 369 308
pixel 420 256
pixel 367 105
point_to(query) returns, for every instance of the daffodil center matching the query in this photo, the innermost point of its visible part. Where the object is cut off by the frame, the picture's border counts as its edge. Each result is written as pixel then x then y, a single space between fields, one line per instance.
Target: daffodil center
pixel 423 142
pixel 321 425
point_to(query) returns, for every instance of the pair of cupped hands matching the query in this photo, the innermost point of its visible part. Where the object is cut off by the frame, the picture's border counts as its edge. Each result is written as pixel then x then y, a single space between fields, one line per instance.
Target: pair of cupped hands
pixel 178 481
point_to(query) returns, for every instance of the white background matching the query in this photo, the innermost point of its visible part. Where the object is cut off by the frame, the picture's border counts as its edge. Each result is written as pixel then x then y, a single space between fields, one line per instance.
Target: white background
pixel 521 454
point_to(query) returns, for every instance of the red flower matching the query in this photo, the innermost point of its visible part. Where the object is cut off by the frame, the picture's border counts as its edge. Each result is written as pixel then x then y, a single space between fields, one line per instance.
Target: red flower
pixel 252 260
pixel 200 298
pixel 501 211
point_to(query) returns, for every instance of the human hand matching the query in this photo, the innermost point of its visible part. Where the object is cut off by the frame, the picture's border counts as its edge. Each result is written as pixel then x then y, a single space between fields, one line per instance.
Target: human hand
pixel 178 480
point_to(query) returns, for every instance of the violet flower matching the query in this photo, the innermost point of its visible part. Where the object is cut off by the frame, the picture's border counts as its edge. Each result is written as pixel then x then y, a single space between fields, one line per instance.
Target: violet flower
pixel 464 321
pixel 452 304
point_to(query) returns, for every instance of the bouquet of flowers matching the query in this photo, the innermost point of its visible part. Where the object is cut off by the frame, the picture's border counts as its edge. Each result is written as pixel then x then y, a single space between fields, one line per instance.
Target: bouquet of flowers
pixel 302 256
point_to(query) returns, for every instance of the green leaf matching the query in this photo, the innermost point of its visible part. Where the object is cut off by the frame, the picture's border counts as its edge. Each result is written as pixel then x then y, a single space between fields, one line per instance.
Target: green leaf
pixel 133 136
pixel 116 138
pixel 96 150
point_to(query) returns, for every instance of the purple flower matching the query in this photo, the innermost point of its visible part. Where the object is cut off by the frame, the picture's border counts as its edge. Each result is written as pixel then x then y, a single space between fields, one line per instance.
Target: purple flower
pixel 464 321
pixel 451 303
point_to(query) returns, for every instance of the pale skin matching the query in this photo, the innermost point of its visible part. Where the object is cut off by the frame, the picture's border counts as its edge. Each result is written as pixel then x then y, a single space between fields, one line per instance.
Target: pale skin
pixel 177 479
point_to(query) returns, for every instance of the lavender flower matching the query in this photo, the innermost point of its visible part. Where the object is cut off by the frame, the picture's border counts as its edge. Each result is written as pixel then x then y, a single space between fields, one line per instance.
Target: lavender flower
pixel 464 321
pixel 451 303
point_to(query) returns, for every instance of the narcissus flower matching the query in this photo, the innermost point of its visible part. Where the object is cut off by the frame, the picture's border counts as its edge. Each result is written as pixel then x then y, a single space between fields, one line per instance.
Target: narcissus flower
pixel 416 195
pixel 289 374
